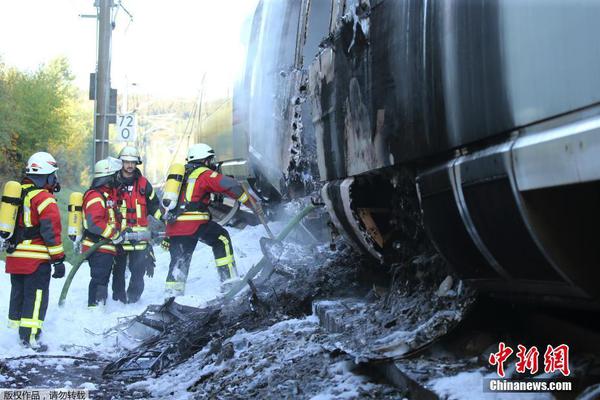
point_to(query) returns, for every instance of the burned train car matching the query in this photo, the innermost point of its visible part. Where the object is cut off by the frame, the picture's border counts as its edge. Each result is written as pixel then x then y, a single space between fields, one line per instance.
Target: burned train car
pixel 490 109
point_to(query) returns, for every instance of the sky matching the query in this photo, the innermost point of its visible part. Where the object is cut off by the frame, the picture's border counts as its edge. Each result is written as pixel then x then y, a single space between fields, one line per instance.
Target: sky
pixel 163 51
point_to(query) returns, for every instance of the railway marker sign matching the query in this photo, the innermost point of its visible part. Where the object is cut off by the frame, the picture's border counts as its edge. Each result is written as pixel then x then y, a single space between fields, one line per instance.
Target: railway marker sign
pixel 126 125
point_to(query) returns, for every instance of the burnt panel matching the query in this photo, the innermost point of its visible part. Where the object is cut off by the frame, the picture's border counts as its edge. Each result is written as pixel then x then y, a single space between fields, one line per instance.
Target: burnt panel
pixel 446 229
pixel 334 194
pixel 407 96
pixel 497 219
pixel 566 221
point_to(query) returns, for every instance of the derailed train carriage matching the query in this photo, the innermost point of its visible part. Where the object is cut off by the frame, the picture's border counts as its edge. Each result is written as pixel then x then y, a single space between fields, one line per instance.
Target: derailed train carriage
pixel 490 110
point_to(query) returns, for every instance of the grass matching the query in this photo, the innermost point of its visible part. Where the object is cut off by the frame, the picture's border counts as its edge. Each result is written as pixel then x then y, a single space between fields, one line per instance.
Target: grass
pixel 62 198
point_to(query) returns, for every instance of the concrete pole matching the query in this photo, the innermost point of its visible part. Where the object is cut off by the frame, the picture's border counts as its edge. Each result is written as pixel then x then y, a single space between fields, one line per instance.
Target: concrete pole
pixel 102 79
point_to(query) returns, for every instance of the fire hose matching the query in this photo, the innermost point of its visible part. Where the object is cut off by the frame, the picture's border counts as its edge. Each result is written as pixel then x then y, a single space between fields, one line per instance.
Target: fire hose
pixel 80 258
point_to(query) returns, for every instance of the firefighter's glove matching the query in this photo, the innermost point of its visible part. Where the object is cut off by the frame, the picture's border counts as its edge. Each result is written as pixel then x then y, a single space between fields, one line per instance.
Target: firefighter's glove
pixel 150 270
pixel 118 240
pixel 166 244
pixel 59 270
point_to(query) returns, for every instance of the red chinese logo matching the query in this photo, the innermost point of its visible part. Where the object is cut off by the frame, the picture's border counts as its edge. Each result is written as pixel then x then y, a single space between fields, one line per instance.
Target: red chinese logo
pixel 555 359
pixel 500 357
pixel 528 359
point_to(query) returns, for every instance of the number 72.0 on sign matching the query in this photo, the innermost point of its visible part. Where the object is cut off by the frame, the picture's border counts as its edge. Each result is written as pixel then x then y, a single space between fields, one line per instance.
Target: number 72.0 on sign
pixel 126 124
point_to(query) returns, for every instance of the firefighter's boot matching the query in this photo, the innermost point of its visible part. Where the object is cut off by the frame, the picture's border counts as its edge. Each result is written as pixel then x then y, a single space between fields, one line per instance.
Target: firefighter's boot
pixel 227 272
pixel 101 294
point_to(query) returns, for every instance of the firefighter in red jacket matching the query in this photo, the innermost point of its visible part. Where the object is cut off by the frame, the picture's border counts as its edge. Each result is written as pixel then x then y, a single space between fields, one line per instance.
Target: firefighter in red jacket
pixel 191 221
pixel 35 245
pixel 100 222
pixel 136 202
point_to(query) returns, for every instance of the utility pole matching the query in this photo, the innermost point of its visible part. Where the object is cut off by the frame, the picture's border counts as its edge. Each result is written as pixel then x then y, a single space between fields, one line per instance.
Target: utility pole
pixel 102 79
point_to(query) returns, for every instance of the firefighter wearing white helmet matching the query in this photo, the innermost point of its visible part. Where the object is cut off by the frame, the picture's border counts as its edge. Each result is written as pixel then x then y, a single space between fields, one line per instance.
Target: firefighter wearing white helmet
pixel 34 246
pixel 130 153
pixel 101 221
pixel 191 221
pixel 136 202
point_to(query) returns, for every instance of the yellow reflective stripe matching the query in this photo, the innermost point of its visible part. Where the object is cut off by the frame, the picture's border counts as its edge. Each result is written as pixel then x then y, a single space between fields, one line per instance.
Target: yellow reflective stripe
pixel 223 261
pixel 214 174
pixel 138 210
pixel 96 200
pixel 190 189
pixel 53 250
pixel 107 232
pixel 34 322
pixel 111 217
pixel 192 181
pixel 30 323
pixel 29 254
pixel 139 228
pixel 228 259
pixel 158 214
pixel 184 217
pixel 151 195
pixel 45 204
pixel 32 247
pixel 124 209
pixel 13 324
pixel 198 171
pixel 243 198
pixel 89 243
pixel 27 204
pixel 139 246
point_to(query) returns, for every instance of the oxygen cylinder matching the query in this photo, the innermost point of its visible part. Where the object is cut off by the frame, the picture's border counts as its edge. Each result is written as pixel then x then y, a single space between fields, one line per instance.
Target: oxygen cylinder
pixel 173 186
pixel 9 208
pixel 75 216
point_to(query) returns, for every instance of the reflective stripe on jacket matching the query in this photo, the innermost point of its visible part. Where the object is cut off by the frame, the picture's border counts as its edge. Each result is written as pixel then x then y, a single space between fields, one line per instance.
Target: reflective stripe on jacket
pixel 40 214
pixel 197 188
pixel 100 219
pixel 135 203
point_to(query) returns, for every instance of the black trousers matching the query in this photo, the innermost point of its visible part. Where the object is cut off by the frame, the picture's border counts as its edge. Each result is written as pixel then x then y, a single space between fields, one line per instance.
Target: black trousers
pixel 138 260
pixel 29 302
pixel 100 268
pixel 182 248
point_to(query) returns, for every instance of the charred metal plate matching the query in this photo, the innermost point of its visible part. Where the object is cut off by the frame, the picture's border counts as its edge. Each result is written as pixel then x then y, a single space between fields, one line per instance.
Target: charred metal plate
pixel 446 228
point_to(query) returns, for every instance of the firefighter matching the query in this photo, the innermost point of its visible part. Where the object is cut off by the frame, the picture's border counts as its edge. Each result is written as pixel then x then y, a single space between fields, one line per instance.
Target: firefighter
pixel 100 222
pixel 190 221
pixel 136 202
pixel 35 245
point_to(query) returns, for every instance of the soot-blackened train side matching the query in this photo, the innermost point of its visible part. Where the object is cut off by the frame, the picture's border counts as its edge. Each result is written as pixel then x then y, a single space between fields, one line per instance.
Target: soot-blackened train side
pixel 489 108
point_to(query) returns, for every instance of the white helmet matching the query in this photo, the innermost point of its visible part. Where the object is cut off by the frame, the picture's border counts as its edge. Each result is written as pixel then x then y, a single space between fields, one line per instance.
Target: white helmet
pixel 129 153
pixel 107 167
pixel 199 151
pixel 41 163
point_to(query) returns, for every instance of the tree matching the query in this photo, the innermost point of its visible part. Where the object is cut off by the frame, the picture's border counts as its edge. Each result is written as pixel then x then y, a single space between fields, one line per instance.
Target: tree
pixel 43 111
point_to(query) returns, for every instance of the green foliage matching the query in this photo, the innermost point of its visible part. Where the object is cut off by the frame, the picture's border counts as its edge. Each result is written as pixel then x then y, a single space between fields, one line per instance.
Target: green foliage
pixel 43 111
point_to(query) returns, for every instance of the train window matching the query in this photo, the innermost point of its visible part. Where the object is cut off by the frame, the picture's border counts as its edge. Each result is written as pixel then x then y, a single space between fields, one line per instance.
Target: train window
pixel 317 27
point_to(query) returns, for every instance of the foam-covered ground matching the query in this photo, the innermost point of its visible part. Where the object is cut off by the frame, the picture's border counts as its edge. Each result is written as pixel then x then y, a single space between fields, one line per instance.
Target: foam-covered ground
pixel 74 329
